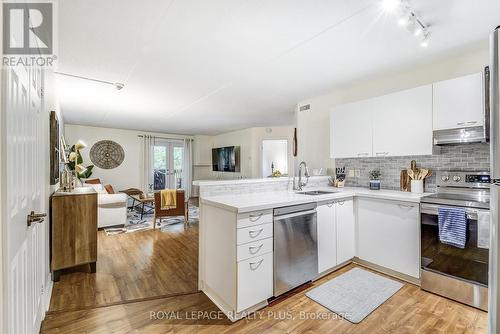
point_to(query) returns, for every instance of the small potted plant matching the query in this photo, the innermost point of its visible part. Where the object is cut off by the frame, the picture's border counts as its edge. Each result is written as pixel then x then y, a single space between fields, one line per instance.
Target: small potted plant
pixel 375 179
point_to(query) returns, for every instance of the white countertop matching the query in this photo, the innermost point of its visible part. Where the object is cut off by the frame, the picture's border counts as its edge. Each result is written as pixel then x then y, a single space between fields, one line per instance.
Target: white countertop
pixel 267 200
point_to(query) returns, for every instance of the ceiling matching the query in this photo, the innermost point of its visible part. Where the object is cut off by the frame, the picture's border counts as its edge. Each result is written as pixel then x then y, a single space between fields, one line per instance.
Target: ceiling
pixel 207 67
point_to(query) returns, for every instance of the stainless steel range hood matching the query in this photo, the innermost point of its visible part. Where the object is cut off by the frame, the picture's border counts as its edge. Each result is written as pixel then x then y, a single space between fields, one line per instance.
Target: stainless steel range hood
pixel 472 134
pixel 476 134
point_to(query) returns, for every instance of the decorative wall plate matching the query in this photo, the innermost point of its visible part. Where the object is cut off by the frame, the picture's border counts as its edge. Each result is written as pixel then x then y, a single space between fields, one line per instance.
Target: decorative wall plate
pixel 107 154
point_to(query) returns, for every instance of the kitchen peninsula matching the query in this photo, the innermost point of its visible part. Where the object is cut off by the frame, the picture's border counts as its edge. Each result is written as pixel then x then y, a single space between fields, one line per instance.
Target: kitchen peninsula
pixel 238 240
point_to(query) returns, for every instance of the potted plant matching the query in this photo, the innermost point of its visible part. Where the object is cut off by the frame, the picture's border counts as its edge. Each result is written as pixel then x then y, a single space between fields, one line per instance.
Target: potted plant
pixel 375 179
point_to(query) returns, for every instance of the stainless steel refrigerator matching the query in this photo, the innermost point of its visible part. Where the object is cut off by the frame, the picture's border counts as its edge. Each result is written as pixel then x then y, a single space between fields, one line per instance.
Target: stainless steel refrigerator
pixel 494 270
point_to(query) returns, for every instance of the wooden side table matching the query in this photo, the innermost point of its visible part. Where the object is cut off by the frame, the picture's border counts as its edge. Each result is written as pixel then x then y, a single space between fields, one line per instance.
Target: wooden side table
pixel 147 204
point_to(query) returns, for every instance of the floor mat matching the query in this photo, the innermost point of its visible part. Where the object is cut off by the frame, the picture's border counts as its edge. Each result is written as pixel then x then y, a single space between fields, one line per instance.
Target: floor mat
pixel 355 294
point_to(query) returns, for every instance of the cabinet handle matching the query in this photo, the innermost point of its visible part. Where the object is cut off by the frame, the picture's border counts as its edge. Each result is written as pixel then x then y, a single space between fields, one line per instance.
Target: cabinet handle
pixel 254 218
pixel 255 265
pixel 254 234
pixel 472 122
pixel 330 204
pixel 362 154
pixel 251 249
pixel 381 154
pixel 461 123
pixel 406 206
pixel 341 202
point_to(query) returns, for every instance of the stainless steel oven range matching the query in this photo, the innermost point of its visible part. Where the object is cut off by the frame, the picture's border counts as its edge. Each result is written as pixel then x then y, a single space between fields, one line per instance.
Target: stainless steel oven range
pixel 457 273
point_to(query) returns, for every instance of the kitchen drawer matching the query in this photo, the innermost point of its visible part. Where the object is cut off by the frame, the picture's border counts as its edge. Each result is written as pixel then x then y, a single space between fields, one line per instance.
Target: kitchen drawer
pixel 254 218
pixel 255 248
pixel 255 281
pixel 254 233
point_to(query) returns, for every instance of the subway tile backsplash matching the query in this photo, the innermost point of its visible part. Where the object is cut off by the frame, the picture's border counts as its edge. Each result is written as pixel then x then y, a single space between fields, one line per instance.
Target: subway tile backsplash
pixel 467 157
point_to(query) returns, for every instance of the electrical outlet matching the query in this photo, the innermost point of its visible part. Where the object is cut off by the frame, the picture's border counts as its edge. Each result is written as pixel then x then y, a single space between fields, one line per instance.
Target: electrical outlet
pixel 351 173
pixel 358 173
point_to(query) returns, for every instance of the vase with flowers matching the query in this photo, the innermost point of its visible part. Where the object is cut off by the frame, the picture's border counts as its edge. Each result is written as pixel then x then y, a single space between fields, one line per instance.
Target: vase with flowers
pixel 74 164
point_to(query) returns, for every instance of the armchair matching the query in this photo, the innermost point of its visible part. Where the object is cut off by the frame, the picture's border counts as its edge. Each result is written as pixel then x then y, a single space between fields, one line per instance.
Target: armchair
pixel 179 210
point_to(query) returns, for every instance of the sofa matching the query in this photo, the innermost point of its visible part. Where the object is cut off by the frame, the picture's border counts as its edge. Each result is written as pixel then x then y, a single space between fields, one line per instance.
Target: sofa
pixel 111 207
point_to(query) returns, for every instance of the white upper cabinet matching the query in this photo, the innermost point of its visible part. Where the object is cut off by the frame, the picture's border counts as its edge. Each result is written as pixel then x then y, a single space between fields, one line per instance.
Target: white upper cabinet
pixel 402 123
pixel 459 102
pixel 351 131
pixel 202 150
pixel 390 125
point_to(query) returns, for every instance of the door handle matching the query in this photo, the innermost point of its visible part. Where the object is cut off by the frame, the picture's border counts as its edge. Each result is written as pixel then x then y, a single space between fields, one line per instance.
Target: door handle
pixel 35 218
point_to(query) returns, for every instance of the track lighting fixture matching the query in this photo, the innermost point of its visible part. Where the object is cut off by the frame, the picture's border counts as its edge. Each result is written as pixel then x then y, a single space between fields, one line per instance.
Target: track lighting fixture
pixel 408 18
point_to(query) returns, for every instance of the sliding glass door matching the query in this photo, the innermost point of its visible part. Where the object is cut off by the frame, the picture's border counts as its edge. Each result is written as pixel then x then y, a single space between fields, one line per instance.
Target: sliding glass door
pixel 168 158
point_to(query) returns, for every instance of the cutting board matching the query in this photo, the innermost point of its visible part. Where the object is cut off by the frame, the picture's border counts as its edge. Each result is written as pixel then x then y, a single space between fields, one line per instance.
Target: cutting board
pixel 404 181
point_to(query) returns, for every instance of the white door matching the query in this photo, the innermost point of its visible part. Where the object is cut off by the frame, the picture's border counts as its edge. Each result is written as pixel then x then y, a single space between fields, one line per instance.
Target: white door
pixel 25 163
pixel 346 229
pixel 351 130
pixel 459 102
pixel 168 160
pixel 402 123
pixel 327 245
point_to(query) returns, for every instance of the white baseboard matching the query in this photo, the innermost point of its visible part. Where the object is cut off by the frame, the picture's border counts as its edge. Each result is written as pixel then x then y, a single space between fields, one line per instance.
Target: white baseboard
pixel 47 294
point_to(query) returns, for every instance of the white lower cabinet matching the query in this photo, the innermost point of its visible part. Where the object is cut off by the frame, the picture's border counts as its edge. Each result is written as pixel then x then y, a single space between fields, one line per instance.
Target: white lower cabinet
pixel 389 234
pixel 327 240
pixel 336 233
pixel 255 281
pixel 346 230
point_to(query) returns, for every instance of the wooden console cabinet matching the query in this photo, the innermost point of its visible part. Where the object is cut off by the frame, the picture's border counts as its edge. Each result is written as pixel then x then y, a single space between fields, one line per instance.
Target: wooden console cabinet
pixel 73 230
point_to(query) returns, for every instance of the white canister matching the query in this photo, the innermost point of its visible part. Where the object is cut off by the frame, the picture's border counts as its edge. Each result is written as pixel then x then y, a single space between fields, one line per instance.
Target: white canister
pixel 417 186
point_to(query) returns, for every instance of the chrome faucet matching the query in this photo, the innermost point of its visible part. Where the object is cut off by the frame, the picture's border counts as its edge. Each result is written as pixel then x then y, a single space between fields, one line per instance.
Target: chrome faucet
pixel 301 184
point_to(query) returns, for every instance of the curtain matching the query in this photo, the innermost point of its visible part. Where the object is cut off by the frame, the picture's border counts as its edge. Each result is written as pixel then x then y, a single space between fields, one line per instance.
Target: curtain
pixel 188 167
pixel 147 163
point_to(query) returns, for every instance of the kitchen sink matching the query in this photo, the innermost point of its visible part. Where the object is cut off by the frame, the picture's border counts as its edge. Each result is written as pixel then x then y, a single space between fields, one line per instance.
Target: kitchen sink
pixel 317 192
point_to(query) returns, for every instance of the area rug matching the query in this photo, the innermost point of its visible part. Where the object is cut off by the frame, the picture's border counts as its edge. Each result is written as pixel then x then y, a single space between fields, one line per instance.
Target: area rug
pixel 355 294
pixel 135 223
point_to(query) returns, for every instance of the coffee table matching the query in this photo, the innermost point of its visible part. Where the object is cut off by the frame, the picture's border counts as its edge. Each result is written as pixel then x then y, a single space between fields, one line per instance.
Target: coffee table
pixel 147 203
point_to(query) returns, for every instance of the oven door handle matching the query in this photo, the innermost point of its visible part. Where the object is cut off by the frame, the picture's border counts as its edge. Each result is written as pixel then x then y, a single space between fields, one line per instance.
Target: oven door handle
pixel 433 210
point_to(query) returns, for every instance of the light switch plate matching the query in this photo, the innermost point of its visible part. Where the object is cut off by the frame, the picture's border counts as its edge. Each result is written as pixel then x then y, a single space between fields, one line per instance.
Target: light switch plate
pixel 351 173
pixel 358 172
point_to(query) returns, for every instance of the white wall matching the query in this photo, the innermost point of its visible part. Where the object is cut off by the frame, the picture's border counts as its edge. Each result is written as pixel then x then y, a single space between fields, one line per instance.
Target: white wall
pixel 128 174
pixel 250 142
pixel 313 126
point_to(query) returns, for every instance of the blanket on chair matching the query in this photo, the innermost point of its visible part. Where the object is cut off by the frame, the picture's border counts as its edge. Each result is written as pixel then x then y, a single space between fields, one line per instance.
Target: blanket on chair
pixel 168 199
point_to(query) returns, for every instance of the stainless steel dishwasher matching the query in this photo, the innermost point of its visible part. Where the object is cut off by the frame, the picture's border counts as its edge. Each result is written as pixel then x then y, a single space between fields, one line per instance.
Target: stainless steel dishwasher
pixel 295 246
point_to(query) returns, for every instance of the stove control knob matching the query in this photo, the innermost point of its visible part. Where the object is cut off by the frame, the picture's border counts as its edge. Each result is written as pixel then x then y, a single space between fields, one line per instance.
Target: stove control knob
pixel 457 178
pixel 445 178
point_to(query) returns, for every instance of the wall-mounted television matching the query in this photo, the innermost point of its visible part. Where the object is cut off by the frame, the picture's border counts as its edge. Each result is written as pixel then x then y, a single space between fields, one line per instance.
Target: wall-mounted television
pixel 226 159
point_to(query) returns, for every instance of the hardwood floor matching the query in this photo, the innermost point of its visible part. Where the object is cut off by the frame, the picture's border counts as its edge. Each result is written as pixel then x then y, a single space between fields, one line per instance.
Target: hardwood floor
pixel 410 310
pixel 133 266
